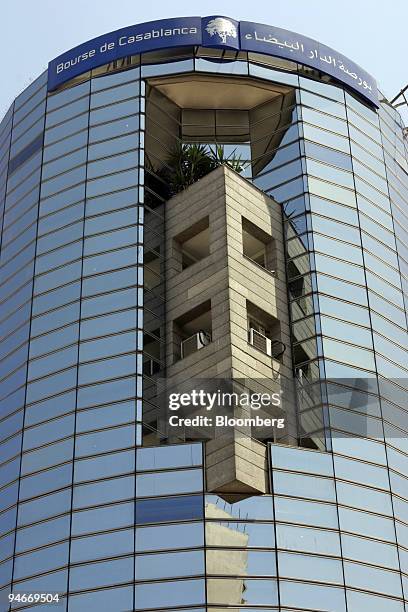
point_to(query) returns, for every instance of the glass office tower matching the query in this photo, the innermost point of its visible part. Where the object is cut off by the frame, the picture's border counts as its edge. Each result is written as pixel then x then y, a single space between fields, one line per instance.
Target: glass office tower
pixel 99 505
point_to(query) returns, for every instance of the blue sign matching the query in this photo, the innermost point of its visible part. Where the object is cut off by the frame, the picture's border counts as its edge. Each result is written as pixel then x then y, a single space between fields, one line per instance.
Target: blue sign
pixel 163 34
pixel 220 32
pixel 265 39
pixel 213 31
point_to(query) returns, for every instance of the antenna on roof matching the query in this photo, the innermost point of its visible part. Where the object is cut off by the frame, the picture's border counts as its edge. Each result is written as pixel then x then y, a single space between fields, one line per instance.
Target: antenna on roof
pixel 400 103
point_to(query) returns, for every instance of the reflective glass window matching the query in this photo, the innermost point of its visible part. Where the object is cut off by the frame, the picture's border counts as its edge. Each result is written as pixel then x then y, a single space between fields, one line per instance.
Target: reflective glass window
pixel 303 486
pixel 366 524
pixel 95 600
pixel 306 539
pixel 253 592
pixel 170 457
pixel 369 551
pixel 250 535
pixel 169 565
pixel 364 497
pixel 169 482
pixel 41 560
pixel 103 519
pixel 250 508
pixel 104 467
pixel 178 593
pixel 102 545
pixel 100 574
pixel 104 441
pixel 171 536
pixel 296 595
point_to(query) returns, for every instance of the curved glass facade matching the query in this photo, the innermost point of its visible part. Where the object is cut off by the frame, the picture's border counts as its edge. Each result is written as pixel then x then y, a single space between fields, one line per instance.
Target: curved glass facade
pixel 94 506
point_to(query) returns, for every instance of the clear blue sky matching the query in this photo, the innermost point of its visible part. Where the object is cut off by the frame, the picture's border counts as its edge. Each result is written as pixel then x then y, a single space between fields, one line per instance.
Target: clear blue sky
pixel 370 32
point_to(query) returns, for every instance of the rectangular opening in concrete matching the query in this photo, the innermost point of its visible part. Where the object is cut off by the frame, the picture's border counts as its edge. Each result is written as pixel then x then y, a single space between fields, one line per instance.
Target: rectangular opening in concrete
pixel 264 332
pixel 258 246
pixel 192 331
pixel 193 244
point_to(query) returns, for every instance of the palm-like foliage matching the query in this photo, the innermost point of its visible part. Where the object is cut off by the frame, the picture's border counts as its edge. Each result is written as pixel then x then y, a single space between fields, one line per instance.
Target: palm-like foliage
pixel 217 153
pixel 186 165
pixel 189 163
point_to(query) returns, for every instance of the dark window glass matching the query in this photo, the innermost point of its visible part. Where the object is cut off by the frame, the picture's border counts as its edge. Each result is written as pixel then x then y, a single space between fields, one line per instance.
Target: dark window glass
pixel 55 582
pixel 27 137
pixel 19 159
pixel 169 509
pixel 9 496
pixel 55 298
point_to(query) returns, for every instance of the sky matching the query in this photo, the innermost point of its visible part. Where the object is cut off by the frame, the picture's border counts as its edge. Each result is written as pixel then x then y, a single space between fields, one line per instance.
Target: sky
pixel 371 33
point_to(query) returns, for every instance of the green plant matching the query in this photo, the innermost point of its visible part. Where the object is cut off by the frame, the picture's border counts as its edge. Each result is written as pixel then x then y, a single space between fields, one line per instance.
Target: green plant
pixel 221 159
pixel 189 163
